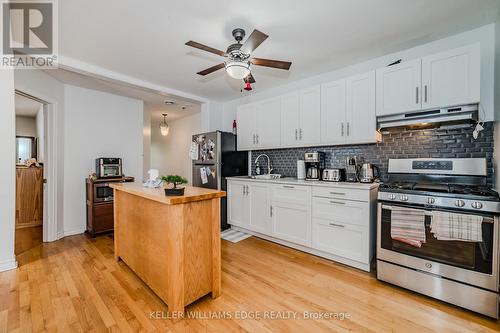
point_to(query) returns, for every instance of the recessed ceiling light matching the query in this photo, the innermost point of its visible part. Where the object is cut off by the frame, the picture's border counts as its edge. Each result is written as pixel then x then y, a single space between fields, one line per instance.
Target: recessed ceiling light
pixel 169 102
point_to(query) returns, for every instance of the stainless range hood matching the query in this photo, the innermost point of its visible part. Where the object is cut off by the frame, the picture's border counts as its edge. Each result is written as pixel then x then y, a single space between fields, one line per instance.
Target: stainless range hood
pixel 466 114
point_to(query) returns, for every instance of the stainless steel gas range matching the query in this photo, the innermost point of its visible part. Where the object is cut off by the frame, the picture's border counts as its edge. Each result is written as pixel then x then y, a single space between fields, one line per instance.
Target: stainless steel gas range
pixel 438 231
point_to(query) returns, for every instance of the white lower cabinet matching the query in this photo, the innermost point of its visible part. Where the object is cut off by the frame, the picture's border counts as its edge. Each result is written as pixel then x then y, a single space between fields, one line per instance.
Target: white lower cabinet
pixel 342 239
pixel 291 213
pixel 238 207
pixel 260 219
pixel 323 220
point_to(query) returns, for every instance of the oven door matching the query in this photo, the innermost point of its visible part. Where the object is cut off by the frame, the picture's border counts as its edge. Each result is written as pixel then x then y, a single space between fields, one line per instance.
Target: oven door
pixel 474 263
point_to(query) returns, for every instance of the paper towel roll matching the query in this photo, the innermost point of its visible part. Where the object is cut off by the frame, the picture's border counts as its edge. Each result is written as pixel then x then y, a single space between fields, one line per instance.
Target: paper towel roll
pixel 301 169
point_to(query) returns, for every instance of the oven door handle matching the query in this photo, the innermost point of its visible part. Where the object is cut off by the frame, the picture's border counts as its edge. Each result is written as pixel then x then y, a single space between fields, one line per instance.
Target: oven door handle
pixel 429 213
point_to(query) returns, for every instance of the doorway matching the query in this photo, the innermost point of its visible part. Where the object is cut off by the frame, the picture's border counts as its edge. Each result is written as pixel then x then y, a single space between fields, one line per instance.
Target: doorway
pixel 31 114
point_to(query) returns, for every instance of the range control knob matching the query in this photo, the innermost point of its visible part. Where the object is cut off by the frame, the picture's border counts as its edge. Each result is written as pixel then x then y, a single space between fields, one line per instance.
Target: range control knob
pixel 391 196
pixel 430 200
pixel 459 203
pixel 403 197
pixel 476 205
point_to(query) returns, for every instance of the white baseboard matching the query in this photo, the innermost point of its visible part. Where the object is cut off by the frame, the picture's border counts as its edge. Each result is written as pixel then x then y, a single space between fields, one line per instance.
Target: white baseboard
pixel 72 232
pixel 8 265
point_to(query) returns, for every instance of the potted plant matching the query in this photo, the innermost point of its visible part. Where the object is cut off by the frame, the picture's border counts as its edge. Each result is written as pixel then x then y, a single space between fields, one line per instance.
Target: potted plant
pixel 175 180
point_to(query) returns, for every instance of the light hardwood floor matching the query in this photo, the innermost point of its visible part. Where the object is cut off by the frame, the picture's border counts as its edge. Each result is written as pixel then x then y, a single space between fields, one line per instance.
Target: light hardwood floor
pixel 75 285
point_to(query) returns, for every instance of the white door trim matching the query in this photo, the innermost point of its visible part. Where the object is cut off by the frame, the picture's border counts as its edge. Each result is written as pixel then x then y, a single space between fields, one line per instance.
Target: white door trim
pixel 52 136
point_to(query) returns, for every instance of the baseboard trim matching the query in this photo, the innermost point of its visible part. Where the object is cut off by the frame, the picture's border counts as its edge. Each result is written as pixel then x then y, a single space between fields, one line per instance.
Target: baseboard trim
pixel 8 265
pixel 72 232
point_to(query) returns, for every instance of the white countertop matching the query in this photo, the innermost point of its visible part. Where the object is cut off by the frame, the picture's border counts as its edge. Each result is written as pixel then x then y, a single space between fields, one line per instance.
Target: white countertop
pixel 295 181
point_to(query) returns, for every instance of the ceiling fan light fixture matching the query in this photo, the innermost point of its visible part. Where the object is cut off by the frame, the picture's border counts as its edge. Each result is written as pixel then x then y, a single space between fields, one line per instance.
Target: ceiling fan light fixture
pixel 164 128
pixel 238 69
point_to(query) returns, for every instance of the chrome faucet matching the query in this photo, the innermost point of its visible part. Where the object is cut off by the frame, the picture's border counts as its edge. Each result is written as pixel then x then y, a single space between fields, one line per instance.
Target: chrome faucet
pixel 269 169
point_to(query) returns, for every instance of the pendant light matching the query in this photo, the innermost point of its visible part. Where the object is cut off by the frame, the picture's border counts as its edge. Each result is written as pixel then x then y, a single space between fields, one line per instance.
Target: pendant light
pixel 164 129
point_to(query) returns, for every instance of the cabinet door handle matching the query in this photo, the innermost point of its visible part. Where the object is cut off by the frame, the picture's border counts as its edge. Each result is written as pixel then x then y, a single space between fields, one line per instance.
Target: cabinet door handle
pixel 425 93
pixel 337 193
pixel 257 136
pixel 416 95
pixel 342 129
pixel 244 189
pixel 337 202
pixel 300 134
pixel 336 225
pixel 348 129
pixel 271 211
pixel 296 134
pixel 288 186
pixel 254 139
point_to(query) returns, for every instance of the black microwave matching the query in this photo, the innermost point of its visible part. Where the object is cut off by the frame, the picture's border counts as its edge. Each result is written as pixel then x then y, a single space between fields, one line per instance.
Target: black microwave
pixel 108 167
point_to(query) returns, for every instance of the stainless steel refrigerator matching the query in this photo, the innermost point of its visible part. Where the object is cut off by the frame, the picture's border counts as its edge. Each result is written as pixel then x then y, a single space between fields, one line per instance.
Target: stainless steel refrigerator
pixel 217 159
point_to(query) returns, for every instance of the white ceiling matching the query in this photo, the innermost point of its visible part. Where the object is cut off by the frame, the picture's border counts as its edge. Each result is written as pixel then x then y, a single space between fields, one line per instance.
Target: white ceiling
pixel 145 40
pixel 26 107
pixel 154 102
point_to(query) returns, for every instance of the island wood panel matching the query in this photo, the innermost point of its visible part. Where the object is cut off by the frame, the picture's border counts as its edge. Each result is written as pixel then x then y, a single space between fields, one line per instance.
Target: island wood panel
pixel 170 247
pixel 29 208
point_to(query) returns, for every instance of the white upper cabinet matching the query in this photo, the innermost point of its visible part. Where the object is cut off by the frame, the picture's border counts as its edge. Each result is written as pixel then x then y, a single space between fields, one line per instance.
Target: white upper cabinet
pixel 360 108
pixel 310 115
pixel 246 116
pixel 259 125
pixel 301 117
pixel 290 119
pixel 333 110
pixel 451 78
pixel 348 110
pixel 441 80
pixel 399 88
pixel 269 123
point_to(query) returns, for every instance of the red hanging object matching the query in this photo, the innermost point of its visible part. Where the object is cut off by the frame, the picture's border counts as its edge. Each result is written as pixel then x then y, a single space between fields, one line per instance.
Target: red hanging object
pixel 248 87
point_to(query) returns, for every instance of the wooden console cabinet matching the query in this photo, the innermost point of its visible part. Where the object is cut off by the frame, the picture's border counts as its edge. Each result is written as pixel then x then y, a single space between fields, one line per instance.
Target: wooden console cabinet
pixel 100 212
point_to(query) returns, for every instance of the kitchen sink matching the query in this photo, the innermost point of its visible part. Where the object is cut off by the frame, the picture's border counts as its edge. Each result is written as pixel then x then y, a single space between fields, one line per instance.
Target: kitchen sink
pixel 267 176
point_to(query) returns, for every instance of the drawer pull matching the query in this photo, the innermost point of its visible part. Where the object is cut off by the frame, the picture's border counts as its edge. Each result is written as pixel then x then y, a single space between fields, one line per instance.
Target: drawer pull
pixel 336 225
pixel 337 193
pixel 288 186
pixel 337 202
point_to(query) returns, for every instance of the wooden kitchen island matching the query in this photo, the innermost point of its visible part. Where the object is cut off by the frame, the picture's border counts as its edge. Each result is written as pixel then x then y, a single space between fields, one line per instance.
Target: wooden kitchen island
pixel 171 243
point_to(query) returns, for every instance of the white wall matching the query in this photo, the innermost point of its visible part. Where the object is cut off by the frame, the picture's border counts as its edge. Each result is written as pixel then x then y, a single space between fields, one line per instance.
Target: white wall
pixel 146 147
pixel 97 124
pixel 170 154
pixel 484 35
pixel 26 126
pixel 7 170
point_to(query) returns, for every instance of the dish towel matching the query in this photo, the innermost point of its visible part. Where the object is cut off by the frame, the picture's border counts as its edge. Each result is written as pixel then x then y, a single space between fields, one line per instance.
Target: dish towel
pixel 408 225
pixel 453 226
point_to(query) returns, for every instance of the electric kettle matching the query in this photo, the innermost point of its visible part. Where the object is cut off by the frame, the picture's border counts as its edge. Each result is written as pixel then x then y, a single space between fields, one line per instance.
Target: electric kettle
pixel 368 173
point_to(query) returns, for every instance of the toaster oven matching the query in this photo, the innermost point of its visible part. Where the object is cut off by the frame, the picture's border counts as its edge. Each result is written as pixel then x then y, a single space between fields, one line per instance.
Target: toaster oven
pixel 107 167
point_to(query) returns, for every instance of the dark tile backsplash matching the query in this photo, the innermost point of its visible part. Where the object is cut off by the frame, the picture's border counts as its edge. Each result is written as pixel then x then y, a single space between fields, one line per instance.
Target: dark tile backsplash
pixel 440 143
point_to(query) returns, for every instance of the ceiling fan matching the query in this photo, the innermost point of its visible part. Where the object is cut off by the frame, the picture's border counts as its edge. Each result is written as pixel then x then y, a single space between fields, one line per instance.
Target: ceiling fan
pixel 238 57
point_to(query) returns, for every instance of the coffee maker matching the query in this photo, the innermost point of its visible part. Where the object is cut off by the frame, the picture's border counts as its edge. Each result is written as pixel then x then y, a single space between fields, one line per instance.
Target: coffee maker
pixel 352 169
pixel 315 163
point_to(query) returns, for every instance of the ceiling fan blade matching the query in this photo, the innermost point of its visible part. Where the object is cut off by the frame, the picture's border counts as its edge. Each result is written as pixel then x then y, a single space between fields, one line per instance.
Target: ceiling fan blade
pixel 211 69
pixel 205 48
pixel 249 78
pixel 252 42
pixel 271 63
